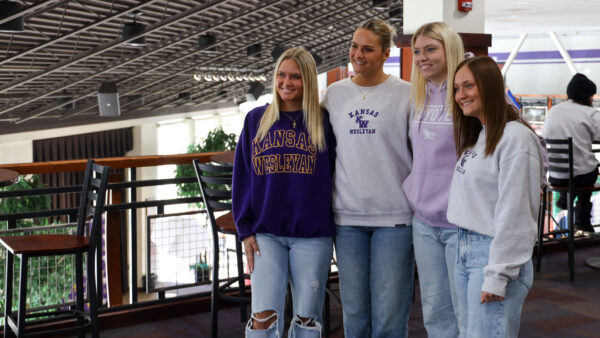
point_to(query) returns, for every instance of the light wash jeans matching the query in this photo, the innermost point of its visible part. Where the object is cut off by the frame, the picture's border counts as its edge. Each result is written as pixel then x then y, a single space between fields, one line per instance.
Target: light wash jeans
pixel 376 270
pixel 435 254
pixel 495 319
pixel 305 262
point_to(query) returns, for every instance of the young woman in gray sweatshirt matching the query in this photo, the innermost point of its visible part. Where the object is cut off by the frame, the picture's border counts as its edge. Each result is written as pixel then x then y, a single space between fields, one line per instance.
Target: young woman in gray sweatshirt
pixel 369 114
pixel 494 200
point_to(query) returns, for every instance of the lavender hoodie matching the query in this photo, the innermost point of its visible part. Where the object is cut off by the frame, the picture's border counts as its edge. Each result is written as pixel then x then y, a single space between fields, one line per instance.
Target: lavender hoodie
pixel 434 157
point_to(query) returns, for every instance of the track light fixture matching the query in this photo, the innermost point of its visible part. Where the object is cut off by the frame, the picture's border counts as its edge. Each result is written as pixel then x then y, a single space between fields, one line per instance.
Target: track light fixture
pixel 229 77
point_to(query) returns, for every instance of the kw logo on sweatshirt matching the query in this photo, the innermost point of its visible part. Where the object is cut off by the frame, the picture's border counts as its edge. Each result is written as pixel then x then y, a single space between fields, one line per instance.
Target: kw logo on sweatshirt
pixel 468 154
pixel 282 141
pixel 362 118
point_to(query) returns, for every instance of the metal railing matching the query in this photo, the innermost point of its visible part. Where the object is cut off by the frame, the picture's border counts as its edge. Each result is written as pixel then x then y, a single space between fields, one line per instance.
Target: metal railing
pixel 57 273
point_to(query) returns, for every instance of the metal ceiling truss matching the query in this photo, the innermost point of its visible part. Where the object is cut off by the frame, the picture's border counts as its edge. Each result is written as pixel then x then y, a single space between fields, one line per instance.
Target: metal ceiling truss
pixel 69 48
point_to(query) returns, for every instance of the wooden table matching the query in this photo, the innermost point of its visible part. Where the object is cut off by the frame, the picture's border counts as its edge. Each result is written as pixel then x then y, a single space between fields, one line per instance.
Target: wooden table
pixel 8 177
pixel 224 158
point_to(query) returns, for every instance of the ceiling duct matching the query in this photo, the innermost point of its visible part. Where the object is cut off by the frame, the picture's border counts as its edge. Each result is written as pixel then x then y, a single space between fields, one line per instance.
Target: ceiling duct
pixel 277 51
pixel 134 28
pixel 206 40
pixel 395 14
pixel 8 8
pixel 65 106
pixel 254 50
pixel 254 92
pixel 185 96
pixel 317 57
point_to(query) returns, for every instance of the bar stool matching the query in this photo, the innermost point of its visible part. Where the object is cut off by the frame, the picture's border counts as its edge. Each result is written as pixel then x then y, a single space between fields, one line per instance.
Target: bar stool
pixel 24 247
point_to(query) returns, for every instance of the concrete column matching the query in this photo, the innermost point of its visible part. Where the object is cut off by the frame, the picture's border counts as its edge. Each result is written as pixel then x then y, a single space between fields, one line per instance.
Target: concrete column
pixel 418 12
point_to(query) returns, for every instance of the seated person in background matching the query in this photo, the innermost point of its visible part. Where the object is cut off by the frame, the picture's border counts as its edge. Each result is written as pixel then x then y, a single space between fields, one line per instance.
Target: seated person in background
pixel 577 118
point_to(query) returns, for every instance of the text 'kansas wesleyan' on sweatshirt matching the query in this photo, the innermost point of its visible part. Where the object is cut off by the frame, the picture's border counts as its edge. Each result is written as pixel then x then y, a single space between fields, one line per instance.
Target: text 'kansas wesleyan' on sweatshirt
pixel 373 155
pixel 281 184
pixel 434 156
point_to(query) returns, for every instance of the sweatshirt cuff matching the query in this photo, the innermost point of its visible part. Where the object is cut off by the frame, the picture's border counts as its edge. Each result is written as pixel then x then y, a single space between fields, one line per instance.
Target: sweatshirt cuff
pixel 494 285
pixel 243 229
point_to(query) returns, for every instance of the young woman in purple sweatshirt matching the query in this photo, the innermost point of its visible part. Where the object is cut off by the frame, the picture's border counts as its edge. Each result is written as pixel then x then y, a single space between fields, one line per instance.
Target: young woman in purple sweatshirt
pixel 282 200
pixel 437 49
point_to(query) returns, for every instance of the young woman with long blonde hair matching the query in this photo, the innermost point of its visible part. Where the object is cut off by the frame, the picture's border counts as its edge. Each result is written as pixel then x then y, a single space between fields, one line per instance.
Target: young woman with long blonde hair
pixel 437 50
pixel 282 200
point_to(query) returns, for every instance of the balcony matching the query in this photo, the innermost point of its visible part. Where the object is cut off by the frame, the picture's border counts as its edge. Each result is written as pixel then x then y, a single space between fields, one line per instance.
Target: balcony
pixel 172 296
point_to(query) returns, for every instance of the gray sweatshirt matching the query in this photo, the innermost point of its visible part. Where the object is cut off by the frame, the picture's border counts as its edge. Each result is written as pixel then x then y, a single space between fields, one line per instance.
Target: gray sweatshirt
pixel 373 156
pixel 582 123
pixel 499 196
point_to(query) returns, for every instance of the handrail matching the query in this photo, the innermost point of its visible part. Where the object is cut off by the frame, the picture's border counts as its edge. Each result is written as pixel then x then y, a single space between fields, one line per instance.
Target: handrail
pixel 112 162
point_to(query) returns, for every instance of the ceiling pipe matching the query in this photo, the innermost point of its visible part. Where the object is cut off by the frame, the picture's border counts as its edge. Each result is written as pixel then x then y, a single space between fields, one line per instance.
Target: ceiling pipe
pixel 563 52
pixel 512 55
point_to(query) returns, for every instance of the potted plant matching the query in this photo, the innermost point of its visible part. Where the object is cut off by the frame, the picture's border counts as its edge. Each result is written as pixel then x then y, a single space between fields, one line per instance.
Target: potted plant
pixel 216 140
pixel 201 269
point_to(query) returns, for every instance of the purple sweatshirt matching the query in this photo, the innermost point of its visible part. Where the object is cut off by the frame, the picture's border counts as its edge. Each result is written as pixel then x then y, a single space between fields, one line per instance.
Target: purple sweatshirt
pixel 282 185
pixel 434 157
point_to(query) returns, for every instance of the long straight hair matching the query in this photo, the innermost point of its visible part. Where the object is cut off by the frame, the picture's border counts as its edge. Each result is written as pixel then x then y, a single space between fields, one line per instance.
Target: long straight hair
pixel 495 110
pixel 455 53
pixel 311 111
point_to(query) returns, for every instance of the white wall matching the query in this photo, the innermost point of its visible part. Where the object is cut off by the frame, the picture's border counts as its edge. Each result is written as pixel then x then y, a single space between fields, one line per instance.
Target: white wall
pixel 545 73
pixel 16 152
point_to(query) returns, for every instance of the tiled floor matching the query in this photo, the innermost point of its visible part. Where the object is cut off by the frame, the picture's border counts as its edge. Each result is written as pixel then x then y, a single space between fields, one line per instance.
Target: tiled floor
pixel 555 307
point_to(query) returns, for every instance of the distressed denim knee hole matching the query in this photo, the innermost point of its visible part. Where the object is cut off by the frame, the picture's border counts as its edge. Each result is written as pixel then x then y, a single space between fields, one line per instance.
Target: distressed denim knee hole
pixel 305 327
pixel 270 321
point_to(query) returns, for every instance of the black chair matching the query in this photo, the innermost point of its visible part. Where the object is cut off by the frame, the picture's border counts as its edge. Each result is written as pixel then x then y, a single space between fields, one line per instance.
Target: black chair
pixel 85 241
pixel 215 184
pixel 560 159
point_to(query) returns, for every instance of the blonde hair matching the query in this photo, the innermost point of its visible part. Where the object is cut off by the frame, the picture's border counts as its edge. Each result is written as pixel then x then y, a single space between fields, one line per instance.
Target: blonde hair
pixel 311 111
pixel 384 31
pixel 455 53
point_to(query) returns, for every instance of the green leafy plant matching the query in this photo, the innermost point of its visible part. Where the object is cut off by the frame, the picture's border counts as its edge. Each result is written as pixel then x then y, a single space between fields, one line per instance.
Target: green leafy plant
pixel 216 140
pixel 25 203
pixel 51 284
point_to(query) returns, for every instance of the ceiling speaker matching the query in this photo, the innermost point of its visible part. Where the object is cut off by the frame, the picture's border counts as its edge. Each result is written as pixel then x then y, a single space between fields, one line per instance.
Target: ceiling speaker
pixel 108 99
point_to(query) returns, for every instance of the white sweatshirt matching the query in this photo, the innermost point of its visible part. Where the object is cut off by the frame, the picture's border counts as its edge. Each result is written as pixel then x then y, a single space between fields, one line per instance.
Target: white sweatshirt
pixel 582 123
pixel 499 196
pixel 373 156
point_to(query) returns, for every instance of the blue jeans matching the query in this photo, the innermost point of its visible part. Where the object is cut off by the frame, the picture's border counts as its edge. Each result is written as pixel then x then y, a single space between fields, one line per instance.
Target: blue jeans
pixel 376 270
pixel 305 262
pixel 435 254
pixel 495 319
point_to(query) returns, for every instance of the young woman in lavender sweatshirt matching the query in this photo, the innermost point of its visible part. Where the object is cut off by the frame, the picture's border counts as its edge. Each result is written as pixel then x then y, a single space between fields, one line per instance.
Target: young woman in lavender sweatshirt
pixel 494 200
pixel 437 49
pixel 282 200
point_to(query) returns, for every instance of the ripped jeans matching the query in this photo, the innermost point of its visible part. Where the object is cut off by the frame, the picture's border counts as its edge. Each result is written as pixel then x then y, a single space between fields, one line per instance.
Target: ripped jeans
pixel 303 261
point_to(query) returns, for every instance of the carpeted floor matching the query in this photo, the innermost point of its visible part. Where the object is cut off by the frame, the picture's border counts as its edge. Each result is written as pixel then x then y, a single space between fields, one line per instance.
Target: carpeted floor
pixel 555 307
